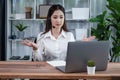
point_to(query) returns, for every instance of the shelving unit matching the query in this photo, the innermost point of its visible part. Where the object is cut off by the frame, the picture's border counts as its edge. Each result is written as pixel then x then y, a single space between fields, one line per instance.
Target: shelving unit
pixel 36 24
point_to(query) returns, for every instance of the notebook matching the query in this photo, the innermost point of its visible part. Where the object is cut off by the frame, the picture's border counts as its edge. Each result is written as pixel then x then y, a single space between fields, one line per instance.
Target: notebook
pixel 79 52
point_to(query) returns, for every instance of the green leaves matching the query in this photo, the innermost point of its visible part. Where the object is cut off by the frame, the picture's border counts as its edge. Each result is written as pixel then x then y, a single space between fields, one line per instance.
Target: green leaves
pixel 90 63
pixel 108 24
pixel 21 27
pixel 114 7
pixel 100 18
pixel 102 32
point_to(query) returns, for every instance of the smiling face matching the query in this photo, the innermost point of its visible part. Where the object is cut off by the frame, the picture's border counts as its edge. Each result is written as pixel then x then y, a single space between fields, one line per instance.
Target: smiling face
pixel 57 19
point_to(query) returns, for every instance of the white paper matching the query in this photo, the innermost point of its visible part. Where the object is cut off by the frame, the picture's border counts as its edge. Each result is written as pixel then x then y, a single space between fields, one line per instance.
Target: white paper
pixel 57 63
pixel 18 16
pixel 80 13
pixel 80 33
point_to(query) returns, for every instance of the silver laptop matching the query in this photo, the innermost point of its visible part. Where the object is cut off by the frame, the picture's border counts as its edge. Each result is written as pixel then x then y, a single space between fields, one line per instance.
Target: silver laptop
pixel 80 52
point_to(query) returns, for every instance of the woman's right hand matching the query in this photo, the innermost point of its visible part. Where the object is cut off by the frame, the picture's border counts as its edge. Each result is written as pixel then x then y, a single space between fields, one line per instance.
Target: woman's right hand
pixel 30 44
pixel 89 38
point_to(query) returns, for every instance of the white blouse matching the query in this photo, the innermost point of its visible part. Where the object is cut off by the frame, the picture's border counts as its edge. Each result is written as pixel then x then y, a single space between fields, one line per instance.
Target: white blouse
pixel 50 48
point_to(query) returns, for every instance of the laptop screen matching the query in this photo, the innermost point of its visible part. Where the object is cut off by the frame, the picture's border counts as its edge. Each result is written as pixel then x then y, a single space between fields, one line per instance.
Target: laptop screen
pixel 79 52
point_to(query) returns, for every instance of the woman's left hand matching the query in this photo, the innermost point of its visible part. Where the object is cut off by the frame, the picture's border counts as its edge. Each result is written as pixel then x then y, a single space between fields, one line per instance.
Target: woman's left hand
pixel 89 38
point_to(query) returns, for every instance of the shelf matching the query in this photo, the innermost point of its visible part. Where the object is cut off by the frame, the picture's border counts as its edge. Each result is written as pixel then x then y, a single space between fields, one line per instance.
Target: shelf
pixel 68 11
pixel 45 19
pixel 77 19
pixel 20 19
pixel 24 19
pixel 17 40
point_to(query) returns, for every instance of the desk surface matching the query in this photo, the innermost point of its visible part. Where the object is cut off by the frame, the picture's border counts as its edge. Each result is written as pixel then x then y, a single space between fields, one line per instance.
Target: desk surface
pixel 42 70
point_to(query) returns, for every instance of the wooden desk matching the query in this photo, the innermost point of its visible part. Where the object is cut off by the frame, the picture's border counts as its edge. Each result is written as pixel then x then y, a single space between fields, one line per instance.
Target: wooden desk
pixel 42 70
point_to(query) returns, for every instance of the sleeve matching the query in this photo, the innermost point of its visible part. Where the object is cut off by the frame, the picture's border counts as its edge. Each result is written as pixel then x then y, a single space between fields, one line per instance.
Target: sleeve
pixel 72 37
pixel 38 54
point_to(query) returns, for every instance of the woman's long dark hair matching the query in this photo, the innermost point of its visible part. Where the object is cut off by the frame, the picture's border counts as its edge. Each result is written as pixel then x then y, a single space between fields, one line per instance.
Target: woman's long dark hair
pixel 51 10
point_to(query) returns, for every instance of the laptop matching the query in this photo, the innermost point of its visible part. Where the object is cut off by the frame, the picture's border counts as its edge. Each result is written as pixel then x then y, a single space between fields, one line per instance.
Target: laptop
pixel 79 52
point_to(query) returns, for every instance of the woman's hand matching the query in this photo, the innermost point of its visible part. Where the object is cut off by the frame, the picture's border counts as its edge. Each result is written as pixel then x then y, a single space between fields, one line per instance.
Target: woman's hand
pixel 89 38
pixel 30 44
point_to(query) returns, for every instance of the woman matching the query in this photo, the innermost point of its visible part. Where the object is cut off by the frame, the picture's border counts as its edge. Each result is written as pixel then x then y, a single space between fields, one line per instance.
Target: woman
pixel 52 44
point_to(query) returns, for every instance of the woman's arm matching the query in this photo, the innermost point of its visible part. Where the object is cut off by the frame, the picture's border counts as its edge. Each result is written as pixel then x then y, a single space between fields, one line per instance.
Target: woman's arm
pixel 37 53
pixel 30 44
pixel 89 38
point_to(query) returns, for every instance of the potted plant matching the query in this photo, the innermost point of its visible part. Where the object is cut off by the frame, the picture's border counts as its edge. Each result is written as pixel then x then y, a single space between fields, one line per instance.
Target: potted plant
pixel 114 20
pixel 91 67
pixel 102 31
pixel 109 27
pixel 21 29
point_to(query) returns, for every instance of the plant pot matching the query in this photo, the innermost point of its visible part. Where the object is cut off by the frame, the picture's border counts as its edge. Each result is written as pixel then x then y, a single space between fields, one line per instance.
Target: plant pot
pixel 28 9
pixel 91 70
pixel 20 34
pixel 28 15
